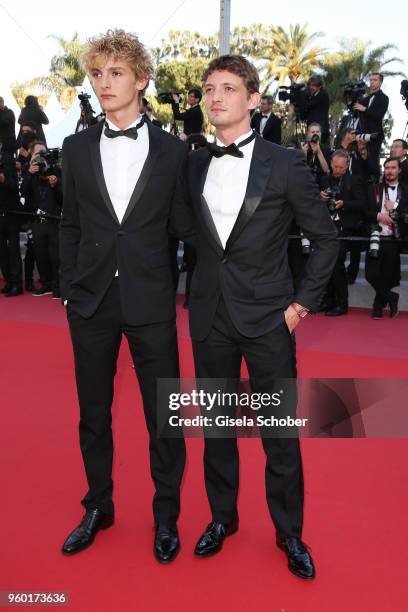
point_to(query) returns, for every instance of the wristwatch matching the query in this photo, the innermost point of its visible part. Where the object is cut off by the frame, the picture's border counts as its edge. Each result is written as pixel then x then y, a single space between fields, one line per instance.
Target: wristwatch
pixel 301 311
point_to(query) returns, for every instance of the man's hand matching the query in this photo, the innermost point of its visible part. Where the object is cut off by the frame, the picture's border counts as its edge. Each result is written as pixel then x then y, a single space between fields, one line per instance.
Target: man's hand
pixel 291 317
pixel 176 98
pixel 359 107
pixel 2 178
pixel 324 195
pixel 385 219
pixel 52 179
pixel 305 147
pixel 339 203
pixel 315 146
pixel 183 136
pixel 33 168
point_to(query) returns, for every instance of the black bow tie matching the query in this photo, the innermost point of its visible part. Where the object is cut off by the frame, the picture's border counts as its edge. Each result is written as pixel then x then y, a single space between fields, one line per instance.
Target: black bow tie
pixel 392 187
pixel 264 116
pixel 129 133
pixel 232 149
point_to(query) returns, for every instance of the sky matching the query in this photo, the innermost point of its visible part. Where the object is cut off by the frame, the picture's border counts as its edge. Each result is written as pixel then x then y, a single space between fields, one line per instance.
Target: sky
pixel 26 47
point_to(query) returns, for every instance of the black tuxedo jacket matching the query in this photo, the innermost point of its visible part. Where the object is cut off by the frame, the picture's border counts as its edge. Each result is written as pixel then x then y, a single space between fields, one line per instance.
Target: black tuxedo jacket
pixel 93 244
pixel 272 130
pixel 371 120
pixel 354 211
pixel 252 272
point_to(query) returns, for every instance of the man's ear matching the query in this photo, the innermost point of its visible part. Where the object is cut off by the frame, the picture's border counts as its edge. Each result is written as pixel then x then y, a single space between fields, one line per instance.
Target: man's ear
pixel 254 100
pixel 141 84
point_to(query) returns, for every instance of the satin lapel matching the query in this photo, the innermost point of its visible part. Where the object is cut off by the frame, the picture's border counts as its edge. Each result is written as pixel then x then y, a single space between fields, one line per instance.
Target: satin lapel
pixel 94 145
pixel 259 173
pixel 151 159
pixel 203 208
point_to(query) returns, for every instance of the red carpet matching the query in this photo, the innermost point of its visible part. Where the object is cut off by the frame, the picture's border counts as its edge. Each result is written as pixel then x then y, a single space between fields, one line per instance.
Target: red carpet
pixel 356 495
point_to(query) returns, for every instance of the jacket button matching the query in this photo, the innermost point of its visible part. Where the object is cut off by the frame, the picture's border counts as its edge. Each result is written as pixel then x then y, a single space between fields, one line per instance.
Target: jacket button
pixel 121 233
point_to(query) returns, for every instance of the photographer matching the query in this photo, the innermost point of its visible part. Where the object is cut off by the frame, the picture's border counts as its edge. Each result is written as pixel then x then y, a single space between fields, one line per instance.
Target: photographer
pixel 41 188
pixel 391 213
pixel 345 197
pixel 33 113
pixel 86 118
pixel 316 109
pixel 193 117
pixel 317 154
pixel 399 148
pixel 372 109
pixel 266 123
pixel 10 257
pixel 7 129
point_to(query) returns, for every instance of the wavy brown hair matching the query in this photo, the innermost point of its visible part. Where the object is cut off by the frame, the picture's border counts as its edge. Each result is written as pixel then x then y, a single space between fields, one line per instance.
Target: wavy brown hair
pixel 119 45
pixel 238 65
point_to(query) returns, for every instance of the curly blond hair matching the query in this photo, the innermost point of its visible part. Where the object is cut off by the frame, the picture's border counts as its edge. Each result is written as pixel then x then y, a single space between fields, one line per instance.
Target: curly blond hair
pixel 119 45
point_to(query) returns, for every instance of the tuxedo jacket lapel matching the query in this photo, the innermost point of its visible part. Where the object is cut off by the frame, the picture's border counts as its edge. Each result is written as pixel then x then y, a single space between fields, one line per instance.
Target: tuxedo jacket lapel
pixel 150 163
pixel 94 145
pixel 259 173
pixel 94 142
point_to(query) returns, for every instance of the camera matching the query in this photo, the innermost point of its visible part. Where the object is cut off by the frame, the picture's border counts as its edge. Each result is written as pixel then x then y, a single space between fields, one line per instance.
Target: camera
pixel 374 243
pixel 398 218
pixel 166 97
pixel 333 193
pixel 305 244
pixel 294 93
pixel 46 160
pixel 84 98
pixel 353 92
pixel 315 138
pixel 367 137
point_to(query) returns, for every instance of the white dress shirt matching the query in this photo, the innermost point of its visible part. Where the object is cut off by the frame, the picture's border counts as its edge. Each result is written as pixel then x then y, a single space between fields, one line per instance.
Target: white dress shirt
pixel 393 197
pixel 122 162
pixel 263 122
pixel 226 185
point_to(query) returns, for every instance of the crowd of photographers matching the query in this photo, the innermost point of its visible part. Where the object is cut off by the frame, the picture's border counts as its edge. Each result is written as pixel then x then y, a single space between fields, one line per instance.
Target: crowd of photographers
pixel 367 203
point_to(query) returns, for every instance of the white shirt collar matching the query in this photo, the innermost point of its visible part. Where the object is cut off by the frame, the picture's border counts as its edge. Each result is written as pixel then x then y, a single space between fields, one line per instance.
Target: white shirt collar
pixel 112 126
pixel 238 140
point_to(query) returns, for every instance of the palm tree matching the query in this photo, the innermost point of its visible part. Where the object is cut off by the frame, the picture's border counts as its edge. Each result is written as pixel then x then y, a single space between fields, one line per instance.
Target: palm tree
pixel 292 54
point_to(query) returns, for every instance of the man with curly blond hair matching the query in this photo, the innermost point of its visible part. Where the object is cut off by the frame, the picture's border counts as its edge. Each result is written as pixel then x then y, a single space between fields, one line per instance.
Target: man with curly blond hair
pixel 124 192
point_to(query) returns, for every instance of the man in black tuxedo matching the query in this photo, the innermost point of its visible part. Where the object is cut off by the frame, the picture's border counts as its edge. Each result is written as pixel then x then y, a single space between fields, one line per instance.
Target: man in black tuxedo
pixel 245 193
pixel 349 213
pixel 399 149
pixel 266 123
pixel 192 118
pixel 372 110
pixel 124 190
pixel 389 211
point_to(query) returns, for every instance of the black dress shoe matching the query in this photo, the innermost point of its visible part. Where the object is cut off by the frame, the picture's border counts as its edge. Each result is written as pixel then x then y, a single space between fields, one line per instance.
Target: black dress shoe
pixel 84 534
pixel 300 562
pixel 166 544
pixel 377 312
pixel 14 291
pixel 213 537
pixel 393 302
pixel 29 285
pixel 337 311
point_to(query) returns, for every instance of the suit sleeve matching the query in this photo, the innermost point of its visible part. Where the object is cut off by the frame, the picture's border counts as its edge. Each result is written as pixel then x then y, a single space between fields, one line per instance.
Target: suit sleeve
pixel 181 222
pixel 378 108
pixel 70 230
pixel 313 218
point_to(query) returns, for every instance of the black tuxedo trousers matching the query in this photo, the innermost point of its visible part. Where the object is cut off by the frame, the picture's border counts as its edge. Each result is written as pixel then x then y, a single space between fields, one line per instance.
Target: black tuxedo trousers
pixel 154 351
pixel 269 357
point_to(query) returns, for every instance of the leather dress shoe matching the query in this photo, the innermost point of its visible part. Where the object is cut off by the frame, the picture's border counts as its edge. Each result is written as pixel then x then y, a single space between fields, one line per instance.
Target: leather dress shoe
pixel 6 288
pixel 300 562
pixel 84 534
pixel 213 537
pixel 377 312
pixel 14 291
pixel 166 544
pixel 393 302
pixel 337 311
